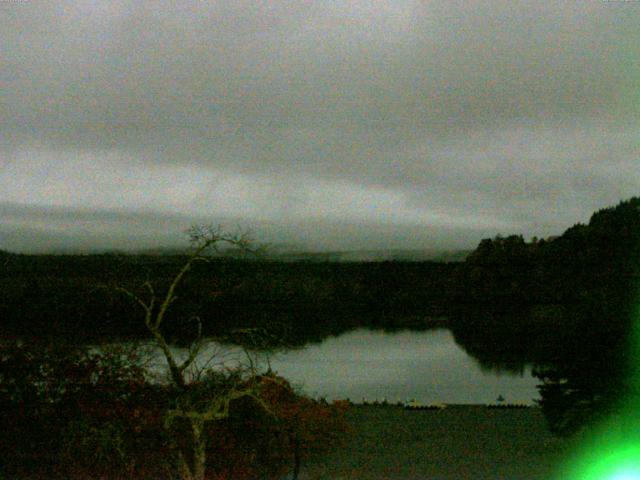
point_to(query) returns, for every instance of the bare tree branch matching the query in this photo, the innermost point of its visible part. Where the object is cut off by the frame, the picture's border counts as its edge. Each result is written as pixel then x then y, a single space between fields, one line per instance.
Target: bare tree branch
pixel 214 407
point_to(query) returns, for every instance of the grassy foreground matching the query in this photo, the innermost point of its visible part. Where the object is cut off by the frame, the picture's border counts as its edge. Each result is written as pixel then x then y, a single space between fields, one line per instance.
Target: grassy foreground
pixel 459 442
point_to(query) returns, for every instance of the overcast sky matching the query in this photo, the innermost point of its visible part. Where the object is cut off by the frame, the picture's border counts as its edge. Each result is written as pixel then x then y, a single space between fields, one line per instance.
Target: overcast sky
pixel 320 124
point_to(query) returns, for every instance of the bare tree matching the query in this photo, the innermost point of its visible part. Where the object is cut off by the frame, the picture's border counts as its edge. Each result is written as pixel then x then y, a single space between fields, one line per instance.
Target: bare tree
pixel 192 407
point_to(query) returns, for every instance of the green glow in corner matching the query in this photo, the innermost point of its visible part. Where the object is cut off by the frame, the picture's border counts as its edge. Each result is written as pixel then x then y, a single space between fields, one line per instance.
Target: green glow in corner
pixel 622 463
pixel 612 451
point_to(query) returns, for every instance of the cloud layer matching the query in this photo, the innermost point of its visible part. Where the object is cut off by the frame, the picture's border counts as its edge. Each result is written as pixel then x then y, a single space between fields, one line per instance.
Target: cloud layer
pixel 476 117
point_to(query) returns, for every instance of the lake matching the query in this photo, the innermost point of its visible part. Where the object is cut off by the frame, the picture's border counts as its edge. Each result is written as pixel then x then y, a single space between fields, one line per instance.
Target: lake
pixel 427 366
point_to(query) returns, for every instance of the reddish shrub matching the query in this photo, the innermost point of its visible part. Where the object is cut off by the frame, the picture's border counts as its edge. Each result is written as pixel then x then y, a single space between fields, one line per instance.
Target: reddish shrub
pixel 254 443
pixel 69 413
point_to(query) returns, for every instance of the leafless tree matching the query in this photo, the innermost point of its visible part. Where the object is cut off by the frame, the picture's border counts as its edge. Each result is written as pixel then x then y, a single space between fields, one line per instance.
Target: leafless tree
pixel 198 409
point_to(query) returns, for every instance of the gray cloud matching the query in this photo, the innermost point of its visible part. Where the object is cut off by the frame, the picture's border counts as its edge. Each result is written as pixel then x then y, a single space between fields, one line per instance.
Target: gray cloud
pixel 506 116
pixel 62 229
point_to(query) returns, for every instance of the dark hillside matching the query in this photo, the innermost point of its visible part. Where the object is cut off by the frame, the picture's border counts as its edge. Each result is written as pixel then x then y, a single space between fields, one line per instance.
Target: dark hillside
pixel 566 304
pixel 76 297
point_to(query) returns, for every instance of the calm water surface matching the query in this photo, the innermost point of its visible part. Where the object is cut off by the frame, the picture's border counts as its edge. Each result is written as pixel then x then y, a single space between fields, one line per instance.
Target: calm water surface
pixel 427 366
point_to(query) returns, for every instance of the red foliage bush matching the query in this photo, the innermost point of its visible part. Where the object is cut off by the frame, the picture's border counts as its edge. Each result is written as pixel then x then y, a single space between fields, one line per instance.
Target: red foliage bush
pixel 70 413
pixel 258 443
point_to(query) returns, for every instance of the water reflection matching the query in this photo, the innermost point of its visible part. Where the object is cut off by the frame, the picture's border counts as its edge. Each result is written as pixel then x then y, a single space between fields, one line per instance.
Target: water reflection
pixel 499 367
pixel 424 365
pixel 427 366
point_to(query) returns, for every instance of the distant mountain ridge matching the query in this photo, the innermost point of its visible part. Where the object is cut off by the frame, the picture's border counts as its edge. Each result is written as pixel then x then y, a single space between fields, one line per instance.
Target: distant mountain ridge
pixel 398 255
pixel 282 255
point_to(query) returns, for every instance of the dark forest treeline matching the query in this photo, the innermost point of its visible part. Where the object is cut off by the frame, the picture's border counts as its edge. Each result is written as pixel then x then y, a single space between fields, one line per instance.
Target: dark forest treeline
pixel 77 298
pixel 567 305
pixel 581 281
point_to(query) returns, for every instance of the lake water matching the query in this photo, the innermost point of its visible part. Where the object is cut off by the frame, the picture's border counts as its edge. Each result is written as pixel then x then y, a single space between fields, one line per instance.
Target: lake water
pixel 427 366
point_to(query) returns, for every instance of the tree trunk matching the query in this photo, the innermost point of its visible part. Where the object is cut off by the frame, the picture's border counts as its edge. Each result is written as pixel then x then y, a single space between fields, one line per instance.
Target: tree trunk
pixel 185 471
pixel 193 458
pixel 199 449
pixel 296 458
